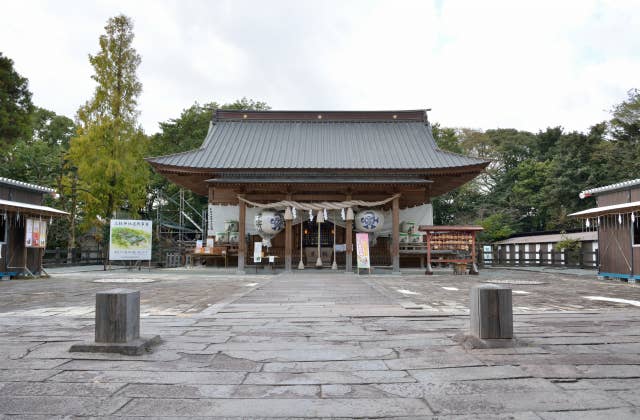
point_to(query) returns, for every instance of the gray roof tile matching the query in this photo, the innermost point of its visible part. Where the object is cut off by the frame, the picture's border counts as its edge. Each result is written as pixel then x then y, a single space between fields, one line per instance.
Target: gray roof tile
pixel 256 144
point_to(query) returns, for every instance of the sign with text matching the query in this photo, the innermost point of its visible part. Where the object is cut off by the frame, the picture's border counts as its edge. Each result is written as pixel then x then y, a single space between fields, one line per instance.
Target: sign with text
pixel 257 252
pixel 130 240
pixel 362 247
pixel 36 233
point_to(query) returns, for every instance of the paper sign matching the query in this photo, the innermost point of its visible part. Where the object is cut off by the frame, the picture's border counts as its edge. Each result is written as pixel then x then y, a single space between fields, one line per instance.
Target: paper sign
pixel 210 242
pixel 341 247
pixel 36 233
pixel 362 246
pixel 257 252
pixel 272 259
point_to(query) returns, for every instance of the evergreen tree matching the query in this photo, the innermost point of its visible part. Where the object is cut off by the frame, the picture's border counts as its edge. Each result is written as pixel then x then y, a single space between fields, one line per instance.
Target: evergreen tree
pixel 15 104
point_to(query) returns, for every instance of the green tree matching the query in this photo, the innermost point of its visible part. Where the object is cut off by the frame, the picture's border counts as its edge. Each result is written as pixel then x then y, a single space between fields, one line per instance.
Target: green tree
pixel 496 227
pixel 15 104
pixel 109 146
pixel 187 132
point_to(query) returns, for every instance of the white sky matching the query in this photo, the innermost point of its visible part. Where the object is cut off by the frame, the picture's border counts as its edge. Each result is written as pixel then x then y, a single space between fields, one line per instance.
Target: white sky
pixel 480 64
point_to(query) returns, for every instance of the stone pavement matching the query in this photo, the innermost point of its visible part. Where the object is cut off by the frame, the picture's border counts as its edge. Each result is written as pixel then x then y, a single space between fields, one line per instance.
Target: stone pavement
pixel 320 344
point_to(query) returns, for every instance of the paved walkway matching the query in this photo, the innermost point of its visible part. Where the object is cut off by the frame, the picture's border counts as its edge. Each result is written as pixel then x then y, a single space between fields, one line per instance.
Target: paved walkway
pixel 312 345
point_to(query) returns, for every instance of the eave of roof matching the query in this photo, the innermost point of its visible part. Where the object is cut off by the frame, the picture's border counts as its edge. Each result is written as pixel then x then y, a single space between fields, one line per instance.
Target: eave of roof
pixel 25 185
pixel 611 188
pixel 613 209
pixel 31 208
pixel 318 180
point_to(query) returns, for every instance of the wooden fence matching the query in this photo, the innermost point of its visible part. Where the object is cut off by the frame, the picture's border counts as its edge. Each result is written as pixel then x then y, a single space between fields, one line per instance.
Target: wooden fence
pixel 567 259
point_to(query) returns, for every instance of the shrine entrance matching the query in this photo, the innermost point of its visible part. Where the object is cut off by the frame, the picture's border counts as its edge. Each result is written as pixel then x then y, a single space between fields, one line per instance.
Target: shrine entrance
pixel 336 164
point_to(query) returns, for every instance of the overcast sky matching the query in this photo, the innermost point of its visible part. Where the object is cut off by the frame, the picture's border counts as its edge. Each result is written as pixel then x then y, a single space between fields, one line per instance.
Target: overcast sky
pixel 480 64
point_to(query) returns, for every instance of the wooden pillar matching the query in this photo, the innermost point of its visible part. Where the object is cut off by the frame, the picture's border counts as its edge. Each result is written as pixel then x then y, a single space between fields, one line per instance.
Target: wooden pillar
pixel 474 262
pixel 242 233
pixel 491 312
pixel 288 240
pixel 395 248
pixel 429 270
pixel 349 242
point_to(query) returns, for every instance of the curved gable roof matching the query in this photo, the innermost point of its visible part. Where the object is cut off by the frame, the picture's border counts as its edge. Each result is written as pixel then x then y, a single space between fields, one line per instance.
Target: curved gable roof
pixel 318 140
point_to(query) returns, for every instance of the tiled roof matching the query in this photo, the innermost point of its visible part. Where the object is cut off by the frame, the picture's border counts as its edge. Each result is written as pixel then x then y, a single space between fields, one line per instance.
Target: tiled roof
pixel 357 140
pixel 613 187
pixel 25 185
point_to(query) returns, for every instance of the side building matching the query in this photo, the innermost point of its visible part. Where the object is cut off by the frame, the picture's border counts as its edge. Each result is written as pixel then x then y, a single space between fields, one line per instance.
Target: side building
pixel 540 249
pixel 23 227
pixel 616 220
pixel 328 164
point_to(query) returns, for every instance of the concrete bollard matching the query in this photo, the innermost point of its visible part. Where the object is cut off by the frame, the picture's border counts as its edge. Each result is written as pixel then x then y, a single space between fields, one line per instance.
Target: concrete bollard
pixel 117 328
pixel 491 312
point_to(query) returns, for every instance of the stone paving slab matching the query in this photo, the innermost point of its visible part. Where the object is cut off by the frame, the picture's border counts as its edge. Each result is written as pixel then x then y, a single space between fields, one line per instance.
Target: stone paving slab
pixel 311 345
pixel 60 405
pixel 278 407
pixel 150 377
pixel 500 402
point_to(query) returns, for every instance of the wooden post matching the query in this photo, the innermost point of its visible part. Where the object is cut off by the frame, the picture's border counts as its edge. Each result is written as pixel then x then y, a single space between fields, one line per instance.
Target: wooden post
pixel 288 244
pixel 429 270
pixel 349 242
pixel 395 248
pixel 117 327
pixel 117 316
pixel 491 312
pixel 242 235
pixel 474 265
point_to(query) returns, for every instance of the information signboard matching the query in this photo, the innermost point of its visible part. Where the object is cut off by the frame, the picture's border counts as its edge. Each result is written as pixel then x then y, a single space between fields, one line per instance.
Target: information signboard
pixel 130 240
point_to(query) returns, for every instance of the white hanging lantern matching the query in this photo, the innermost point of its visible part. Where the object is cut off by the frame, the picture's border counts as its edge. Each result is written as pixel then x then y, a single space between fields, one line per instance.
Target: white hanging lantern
pixel 633 217
pixel 268 224
pixel 369 221
pixel 295 213
pixel 342 213
pixel 588 223
pixel 620 219
pixel 310 215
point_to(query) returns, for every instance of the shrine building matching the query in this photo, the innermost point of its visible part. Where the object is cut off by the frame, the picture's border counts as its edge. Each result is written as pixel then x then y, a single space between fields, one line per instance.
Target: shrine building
pixel 300 179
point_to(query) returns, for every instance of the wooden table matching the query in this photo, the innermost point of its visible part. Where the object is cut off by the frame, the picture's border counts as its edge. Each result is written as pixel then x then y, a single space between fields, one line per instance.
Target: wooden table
pixel 214 252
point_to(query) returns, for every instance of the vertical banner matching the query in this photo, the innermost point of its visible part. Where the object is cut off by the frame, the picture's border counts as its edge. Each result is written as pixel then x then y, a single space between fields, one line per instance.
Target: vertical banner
pixel 257 252
pixel 35 233
pixel 362 247
pixel 130 240
pixel 210 221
